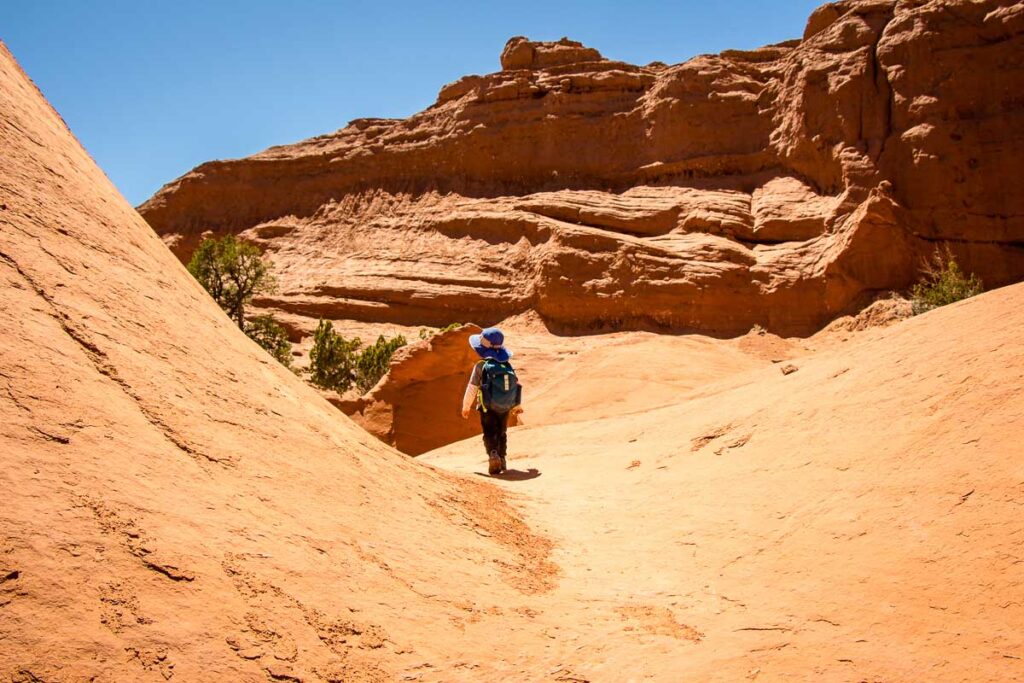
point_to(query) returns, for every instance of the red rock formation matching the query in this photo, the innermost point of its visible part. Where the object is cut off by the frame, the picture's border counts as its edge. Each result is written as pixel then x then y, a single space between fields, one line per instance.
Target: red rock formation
pixel 781 186
pixel 415 407
pixel 855 520
pixel 177 504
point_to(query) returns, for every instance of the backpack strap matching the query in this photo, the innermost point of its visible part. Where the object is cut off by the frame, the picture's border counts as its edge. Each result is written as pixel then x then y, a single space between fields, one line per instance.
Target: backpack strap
pixel 480 388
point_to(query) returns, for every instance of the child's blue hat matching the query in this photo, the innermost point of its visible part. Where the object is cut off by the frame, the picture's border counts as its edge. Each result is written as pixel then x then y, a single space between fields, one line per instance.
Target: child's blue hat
pixel 490 344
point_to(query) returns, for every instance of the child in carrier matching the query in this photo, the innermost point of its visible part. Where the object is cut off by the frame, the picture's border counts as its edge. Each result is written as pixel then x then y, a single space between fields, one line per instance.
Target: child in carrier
pixel 496 392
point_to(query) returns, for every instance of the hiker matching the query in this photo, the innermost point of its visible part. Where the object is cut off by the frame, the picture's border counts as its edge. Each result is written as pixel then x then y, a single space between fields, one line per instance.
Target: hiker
pixel 496 392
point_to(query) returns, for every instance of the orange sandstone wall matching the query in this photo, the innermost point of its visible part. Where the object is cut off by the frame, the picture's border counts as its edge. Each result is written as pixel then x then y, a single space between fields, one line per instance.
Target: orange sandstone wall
pixel 781 186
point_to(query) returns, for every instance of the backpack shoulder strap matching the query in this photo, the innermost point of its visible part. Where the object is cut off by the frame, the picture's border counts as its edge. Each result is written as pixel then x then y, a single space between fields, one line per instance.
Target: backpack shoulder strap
pixel 482 364
pixel 484 370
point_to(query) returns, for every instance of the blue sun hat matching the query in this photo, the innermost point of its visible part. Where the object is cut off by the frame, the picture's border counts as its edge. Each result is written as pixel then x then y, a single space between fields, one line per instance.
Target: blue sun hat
pixel 490 344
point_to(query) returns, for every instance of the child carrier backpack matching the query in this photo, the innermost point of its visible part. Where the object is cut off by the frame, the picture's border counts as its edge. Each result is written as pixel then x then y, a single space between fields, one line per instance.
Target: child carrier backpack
pixel 500 391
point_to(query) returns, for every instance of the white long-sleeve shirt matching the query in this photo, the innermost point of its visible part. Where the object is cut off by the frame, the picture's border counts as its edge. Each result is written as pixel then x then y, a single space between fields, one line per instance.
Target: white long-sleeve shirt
pixel 472 395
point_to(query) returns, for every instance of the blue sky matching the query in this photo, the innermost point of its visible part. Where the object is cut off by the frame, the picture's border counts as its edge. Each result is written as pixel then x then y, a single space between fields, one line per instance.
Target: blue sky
pixel 154 88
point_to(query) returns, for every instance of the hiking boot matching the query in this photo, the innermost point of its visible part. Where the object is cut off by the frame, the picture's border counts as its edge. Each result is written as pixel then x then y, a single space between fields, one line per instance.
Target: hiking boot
pixel 494 463
pixel 504 468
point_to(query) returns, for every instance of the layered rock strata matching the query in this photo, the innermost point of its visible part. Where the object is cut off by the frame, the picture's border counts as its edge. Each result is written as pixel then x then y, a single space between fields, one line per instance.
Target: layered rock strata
pixel 781 186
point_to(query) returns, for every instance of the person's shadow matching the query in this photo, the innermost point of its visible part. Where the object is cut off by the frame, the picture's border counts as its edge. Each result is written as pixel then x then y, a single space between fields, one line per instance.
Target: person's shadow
pixel 514 475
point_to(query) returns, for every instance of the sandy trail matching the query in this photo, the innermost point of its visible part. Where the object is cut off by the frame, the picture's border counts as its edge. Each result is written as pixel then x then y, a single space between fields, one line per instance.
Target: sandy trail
pixel 853 520
pixel 622 582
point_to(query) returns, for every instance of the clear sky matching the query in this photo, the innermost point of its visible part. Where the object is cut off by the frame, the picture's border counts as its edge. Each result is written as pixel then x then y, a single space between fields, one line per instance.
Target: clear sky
pixel 154 88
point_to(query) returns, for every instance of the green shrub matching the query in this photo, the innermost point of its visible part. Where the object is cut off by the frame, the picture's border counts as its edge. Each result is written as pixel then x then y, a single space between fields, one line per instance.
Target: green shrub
pixel 425 332
pixel 337 363
pixel 943 283
pixel 232 272
pixel 374 360
pixel 332 360
pixel 269 334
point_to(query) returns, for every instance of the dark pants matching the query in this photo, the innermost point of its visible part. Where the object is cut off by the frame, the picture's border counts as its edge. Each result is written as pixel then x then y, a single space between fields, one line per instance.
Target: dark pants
pixel 495 426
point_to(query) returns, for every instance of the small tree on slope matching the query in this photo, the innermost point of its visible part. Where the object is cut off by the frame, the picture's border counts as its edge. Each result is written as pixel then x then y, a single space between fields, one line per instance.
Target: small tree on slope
pixel 232 272
pixel 269 334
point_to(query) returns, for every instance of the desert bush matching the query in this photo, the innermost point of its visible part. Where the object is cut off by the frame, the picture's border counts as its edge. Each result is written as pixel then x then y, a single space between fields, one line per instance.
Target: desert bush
pixel 337 363
pixel 425 332
pixel 332 360
pixel 374 360
pixel 269 334
pixel 943 283
pixel 233 272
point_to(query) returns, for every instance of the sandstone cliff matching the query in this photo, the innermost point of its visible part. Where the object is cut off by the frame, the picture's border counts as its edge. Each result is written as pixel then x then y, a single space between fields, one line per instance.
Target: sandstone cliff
pixel 780 186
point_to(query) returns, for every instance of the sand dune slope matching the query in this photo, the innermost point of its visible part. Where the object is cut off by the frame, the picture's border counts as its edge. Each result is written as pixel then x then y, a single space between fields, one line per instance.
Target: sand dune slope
pixel 856 520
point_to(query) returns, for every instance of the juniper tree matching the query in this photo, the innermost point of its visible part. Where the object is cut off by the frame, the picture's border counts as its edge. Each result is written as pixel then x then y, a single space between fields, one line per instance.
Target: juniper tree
pixel 233 272
pixel 332 360
pixel 373 362
pixel 269 334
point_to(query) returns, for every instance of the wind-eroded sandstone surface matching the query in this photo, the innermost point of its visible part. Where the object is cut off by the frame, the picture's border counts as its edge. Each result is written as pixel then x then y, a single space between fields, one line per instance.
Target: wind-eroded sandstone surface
pixel 857 519
pixel 178 505
pixel 781 186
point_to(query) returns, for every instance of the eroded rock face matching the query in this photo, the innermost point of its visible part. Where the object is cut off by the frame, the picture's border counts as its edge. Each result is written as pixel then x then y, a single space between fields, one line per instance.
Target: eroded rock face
pixel 522 53
pixel 415 407
pixel 782 186
pixel 176 503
